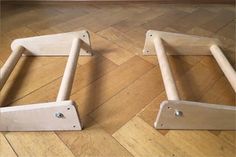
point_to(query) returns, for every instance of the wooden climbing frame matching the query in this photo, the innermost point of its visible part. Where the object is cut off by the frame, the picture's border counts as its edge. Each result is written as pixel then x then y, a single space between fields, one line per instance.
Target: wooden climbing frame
pixel 61 114
pixel 178 114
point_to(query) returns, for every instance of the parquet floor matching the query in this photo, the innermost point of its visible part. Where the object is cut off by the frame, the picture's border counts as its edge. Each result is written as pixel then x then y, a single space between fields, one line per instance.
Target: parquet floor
pixel 118 91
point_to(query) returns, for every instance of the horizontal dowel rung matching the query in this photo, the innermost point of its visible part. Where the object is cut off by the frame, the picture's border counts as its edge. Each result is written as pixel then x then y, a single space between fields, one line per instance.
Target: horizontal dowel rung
pixel 68 77
pixel 9 65
pixel 224 65
pixel 166 73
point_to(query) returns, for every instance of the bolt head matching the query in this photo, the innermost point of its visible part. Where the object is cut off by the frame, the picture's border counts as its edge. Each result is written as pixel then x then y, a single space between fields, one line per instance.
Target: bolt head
pixel 178 113
pixel 59 115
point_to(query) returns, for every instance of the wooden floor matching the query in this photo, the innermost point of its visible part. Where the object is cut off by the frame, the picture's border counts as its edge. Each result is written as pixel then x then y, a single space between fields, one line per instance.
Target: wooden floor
pixel 118 91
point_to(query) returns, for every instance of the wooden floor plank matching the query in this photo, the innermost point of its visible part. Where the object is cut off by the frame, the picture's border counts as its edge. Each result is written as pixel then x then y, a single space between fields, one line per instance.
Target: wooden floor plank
pixel 229 136
pixel 223 18
pixel 225 94
pixel 93 141
pixel 141 140
pixel 129 101
pixel 37 144
pixel 206 144
pixel 160 22
pixel 138 19
pixel 196 82
pixel 98 92
pixel 121 39
pixel 200 17
pixel 149 113
pixel 5 148
pixel 110 50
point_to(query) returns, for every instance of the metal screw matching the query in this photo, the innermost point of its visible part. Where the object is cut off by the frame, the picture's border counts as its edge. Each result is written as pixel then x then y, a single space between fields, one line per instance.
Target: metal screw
pixel 178 113
pixel 59 115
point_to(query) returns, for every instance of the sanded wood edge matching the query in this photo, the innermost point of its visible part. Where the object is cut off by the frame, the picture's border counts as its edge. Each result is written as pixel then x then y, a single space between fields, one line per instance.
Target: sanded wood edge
pixel 54 44
pixel 52 116
pixel 179 44
pixel 175 114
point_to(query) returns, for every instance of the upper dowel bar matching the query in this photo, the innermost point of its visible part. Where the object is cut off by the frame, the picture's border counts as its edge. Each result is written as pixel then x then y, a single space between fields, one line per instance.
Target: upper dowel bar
pixel 166 73
pixel 67 80
pixel 224 65
pixel 9 65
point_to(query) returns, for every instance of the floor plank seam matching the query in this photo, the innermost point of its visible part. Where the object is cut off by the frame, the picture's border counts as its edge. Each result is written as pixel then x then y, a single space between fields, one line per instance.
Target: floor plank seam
pixel 131 83
pixel 11 146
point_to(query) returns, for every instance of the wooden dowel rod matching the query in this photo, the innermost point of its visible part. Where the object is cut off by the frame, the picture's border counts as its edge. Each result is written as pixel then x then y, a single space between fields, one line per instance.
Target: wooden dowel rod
pixel 224 65
pixel 68 77
pixel 9 65
pixel 166 73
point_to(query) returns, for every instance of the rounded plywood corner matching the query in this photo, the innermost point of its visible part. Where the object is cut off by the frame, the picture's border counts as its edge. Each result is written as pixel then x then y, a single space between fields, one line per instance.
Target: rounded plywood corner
pixel 55 44
pixel 179 44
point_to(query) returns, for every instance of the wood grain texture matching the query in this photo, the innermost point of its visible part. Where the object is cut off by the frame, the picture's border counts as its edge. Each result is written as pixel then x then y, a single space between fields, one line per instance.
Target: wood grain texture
pixel 118 91
pixel 141 140
pixel 5 147
pixel 158 1
pixel 38 144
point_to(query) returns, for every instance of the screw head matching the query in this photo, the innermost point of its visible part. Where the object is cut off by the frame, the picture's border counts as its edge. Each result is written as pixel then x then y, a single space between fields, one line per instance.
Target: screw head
pixel 178 113
pixel 59 115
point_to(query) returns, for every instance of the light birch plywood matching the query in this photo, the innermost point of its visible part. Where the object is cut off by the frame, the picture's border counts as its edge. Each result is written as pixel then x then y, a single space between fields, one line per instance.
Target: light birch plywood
pixel 179 44
pixel 195 115
pixel 51 45
pixel 37 117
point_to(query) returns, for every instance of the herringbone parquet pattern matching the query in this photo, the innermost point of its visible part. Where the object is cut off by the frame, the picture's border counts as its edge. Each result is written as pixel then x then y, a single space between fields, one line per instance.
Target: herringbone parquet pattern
pixel 118 91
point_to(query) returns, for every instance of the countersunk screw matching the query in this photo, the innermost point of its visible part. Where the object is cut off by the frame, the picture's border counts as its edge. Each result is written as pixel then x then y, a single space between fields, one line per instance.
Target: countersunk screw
pixel 178 113
pixel 59 115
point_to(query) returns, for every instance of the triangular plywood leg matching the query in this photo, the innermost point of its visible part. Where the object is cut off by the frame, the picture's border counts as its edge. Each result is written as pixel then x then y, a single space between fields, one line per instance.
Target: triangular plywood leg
pixel 40 117
pixel 179 44
pixel 53 45
pixel 194 115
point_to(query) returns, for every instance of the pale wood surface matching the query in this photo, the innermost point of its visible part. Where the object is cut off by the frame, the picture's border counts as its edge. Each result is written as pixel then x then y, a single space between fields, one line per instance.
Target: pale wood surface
pixel 118 91
pixel 40 117
pixel 45 45
pixel 195 115
pixel 179 44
